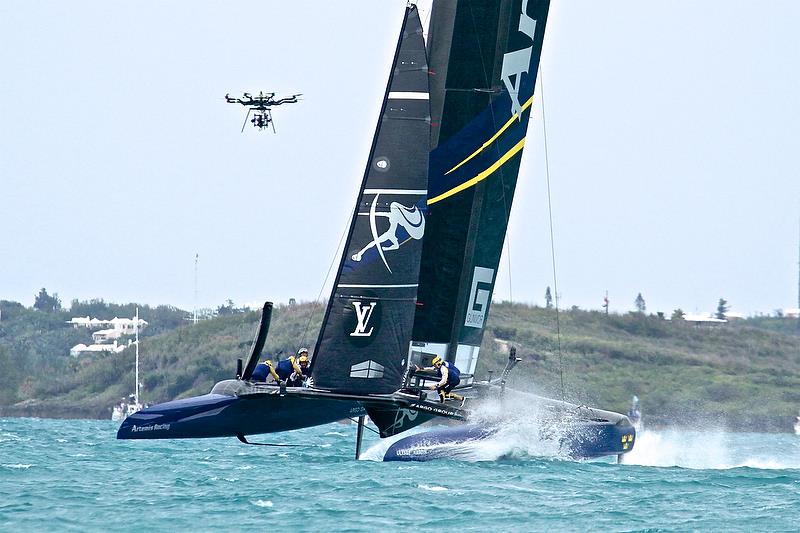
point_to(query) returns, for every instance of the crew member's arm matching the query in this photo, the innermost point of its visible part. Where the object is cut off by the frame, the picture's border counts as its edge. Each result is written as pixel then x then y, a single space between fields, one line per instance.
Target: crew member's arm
pixel 272 372
pixel 296 366
pixel 443 381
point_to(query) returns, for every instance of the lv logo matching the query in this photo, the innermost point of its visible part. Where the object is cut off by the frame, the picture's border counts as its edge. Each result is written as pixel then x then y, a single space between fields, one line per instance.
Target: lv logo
pixel 363 315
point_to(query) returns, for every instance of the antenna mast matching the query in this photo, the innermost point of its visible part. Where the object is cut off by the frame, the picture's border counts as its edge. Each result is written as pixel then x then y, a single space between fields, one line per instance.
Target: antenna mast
pixel 194 314
pixel 136 331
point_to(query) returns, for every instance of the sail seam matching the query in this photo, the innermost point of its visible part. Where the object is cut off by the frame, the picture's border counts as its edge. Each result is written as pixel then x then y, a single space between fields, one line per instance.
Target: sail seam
pixel 482 176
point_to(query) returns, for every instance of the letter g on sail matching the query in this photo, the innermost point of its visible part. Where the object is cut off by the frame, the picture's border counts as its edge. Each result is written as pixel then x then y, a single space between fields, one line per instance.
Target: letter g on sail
pixel 479 295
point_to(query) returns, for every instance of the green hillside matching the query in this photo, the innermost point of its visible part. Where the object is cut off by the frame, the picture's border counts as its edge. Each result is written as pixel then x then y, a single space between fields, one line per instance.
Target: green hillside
pixel 743 374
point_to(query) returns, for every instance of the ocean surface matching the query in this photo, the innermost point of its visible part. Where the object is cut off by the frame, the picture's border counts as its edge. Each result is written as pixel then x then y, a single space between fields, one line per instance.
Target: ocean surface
pixel 73 475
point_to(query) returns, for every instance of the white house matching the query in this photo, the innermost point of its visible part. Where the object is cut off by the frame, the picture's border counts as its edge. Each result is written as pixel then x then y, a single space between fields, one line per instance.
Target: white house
pixel 82 349
pixel 703 318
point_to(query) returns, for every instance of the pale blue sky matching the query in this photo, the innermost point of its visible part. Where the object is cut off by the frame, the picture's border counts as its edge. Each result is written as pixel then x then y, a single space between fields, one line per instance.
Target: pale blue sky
pixel 672 132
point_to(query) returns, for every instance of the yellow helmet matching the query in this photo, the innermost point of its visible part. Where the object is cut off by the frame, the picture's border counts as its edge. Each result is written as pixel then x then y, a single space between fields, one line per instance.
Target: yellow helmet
pixel 303 359
pixel 437 361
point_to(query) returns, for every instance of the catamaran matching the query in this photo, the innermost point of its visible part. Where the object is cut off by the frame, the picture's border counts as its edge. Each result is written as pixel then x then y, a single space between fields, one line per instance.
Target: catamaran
pixel 439 184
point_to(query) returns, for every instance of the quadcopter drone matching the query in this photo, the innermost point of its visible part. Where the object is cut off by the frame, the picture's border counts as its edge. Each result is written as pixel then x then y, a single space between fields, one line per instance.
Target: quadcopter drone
pixel 261 107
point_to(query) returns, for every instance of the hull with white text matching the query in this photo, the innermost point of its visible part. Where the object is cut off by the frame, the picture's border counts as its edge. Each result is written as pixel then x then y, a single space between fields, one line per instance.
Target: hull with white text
pixel 574 431
pixel 236 408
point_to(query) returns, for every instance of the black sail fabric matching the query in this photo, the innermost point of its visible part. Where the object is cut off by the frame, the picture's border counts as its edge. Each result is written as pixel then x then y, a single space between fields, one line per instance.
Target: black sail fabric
pixel 484 58
pixel 363 345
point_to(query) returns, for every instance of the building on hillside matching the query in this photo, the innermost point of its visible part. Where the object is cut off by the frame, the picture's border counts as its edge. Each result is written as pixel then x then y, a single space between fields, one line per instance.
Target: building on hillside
pixel 105 340
pixel 106 335
pixel 703 319
pixel 791 313
pixel 732 315
pixel 83 349
pixel 126 325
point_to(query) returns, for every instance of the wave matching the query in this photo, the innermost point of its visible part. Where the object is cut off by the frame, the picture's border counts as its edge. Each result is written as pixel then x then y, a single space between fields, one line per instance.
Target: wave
pixel 262 503
pixel 432 488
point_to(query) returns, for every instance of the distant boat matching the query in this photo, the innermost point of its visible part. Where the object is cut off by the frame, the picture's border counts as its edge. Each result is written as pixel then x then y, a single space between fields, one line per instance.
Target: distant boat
pixel 131 405
pixel 126 408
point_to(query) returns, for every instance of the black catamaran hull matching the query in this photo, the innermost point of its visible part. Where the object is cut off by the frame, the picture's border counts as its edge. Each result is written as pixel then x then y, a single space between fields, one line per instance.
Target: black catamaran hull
pixel 223 415
pixel 582 440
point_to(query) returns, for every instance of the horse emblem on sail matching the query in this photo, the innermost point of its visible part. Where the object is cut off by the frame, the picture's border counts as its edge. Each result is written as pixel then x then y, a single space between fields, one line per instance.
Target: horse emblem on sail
pixel 400 217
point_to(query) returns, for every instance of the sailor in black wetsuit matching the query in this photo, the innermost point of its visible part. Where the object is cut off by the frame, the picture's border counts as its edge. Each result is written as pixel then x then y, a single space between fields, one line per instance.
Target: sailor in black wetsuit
pixel 450 378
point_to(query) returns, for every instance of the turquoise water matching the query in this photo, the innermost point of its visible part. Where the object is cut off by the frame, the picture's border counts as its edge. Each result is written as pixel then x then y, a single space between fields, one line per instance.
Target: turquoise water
pixel 72 475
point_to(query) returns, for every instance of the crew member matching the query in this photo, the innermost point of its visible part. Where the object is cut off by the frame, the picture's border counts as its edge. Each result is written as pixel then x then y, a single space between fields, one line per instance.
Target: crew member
pixel 449 375
pixel 297 378
pixel 261 372
pixel 288 371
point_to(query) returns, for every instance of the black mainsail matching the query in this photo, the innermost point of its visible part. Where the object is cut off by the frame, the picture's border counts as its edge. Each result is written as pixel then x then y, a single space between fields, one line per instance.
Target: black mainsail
pixel 363 345
pixel 484 56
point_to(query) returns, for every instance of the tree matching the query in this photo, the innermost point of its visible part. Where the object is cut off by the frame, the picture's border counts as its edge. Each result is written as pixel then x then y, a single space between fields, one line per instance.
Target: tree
pixel 45 302
pixel 678 314
pixel 641 307
pixel 9 377
pixel 722 308
pixel 548 298
pixel 227 309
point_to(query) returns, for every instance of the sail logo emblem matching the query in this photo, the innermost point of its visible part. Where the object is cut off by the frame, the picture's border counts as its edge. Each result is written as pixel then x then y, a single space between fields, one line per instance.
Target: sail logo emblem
pixel 367 369
pixel 403 220
pixel 517 63
pixel 361 320
pixel 479 297
pixel 363 315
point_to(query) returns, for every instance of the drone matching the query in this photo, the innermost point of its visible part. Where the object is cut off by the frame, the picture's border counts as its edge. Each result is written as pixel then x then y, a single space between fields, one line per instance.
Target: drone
pixel 260 106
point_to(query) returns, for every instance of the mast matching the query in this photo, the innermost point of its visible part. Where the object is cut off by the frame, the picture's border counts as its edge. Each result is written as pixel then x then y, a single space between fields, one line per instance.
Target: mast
pixel 194 313
pixel 136 331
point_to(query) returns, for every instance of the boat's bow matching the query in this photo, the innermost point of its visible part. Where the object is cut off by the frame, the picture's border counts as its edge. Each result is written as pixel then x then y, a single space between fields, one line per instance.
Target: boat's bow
pixel 234 408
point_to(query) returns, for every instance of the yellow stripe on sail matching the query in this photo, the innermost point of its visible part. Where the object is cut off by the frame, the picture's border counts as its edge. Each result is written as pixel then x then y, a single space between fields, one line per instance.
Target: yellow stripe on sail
pixel 482 176
pixel 494 137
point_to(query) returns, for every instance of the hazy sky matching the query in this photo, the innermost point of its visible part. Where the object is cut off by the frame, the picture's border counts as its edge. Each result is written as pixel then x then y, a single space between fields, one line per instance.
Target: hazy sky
pixel 673 130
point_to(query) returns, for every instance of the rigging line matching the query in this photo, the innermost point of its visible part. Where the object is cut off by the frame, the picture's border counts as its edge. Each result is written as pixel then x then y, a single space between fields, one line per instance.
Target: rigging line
pixel 425 21
pixel 316 302
pixel 552 237
pixel 508 256
pixel 365 425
